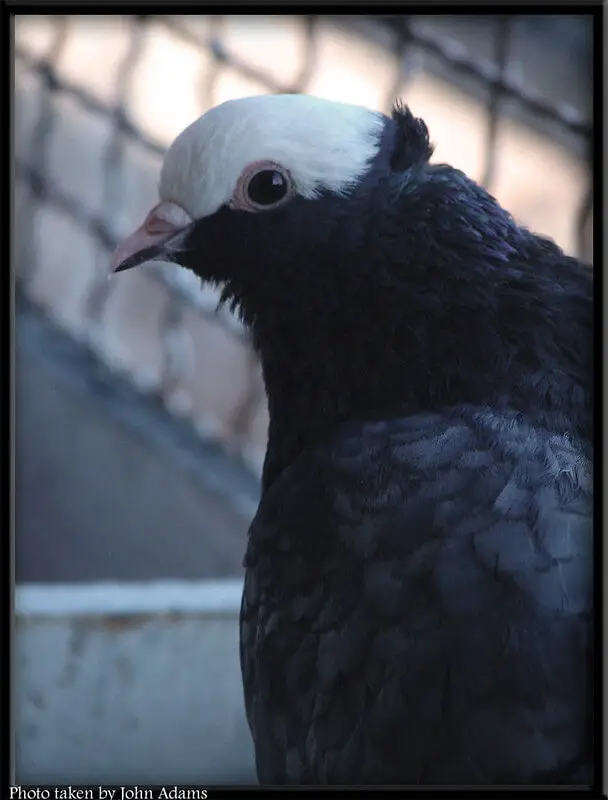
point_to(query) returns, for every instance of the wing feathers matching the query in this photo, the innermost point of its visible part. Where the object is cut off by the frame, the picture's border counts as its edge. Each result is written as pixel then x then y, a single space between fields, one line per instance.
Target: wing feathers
pixel 436 627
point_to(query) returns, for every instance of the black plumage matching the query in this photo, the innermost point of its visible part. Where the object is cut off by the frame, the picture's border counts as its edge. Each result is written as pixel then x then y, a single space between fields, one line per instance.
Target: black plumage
pixel 417 606
pixel 418 594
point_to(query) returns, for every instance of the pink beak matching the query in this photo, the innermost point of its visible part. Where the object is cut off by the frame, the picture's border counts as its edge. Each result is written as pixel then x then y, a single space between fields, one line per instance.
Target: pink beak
pixel 161 224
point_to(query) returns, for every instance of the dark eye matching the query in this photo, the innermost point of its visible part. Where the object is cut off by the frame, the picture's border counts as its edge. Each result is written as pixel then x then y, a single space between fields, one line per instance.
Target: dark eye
pixel 263 185
pixel 267 187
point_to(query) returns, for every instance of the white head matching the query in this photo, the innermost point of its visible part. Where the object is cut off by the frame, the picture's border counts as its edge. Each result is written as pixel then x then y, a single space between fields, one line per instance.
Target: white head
pixel 322 144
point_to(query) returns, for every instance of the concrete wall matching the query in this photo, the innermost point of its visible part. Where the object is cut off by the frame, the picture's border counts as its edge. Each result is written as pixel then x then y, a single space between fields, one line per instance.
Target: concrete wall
pixel 130 683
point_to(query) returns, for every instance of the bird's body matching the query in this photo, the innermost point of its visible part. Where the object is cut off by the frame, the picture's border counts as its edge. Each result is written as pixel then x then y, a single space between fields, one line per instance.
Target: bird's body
pixel 418 594
pixel 417 606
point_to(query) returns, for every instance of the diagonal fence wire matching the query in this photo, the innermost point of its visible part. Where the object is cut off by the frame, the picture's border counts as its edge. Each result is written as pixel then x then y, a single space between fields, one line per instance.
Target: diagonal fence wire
pixel 409 38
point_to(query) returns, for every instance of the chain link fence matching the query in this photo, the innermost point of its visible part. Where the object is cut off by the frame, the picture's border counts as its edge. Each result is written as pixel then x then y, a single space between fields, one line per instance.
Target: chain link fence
pixel 99 100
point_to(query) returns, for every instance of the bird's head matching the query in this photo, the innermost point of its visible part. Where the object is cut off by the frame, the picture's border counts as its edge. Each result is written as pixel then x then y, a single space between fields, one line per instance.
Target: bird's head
pixel 261 195
pixel 368 276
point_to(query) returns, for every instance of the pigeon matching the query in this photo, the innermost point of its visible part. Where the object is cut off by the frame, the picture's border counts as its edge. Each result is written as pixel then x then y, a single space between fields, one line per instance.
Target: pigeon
pixel 418 594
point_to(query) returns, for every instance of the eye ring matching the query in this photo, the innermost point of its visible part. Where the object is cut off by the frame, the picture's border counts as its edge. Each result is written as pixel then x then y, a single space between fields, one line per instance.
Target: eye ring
pixel 263 186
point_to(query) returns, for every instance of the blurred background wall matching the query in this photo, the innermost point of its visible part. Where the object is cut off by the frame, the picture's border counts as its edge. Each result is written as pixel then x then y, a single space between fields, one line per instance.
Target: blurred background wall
pixel 141 415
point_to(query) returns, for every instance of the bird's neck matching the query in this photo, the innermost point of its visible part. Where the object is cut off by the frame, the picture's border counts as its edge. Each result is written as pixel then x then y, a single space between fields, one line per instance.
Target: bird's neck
pixel 312 389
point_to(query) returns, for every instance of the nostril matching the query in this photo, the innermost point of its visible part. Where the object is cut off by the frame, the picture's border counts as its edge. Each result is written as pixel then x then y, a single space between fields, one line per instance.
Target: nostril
pixel 157 225
pixel 166 218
